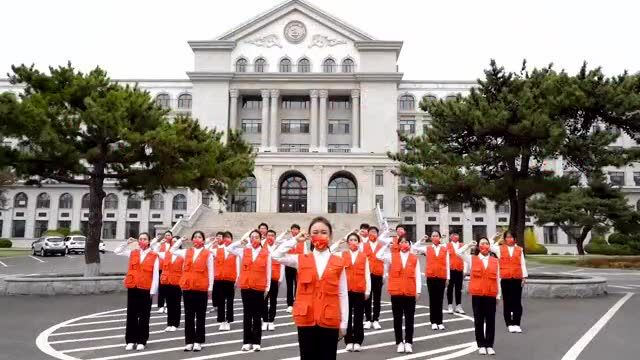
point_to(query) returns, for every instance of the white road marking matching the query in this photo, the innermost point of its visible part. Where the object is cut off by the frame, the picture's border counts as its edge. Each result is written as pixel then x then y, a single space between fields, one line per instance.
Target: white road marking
pixel 35 258
pixel 436 351
pixel 633 286
pixel 579 346
pixel 3 264
pixel 154 310
pixel 620 287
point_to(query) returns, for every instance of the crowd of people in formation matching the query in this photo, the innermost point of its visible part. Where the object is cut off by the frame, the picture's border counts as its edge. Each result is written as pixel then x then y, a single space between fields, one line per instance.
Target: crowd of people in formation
pixel 334 285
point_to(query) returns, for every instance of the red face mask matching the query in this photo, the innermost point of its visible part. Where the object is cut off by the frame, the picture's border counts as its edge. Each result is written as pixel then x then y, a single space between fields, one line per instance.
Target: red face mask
pixel 455 239
pixel 435 241
pixel 226 241
pixel 198 243
pixel 168 239
pixel 271 240
pixel 484 249
pixel 373 237
pixel 143 244
pixel 405 246
pixel 400 232
pixel 353 246
pixel 510 240
pixel 320 242
pixel 255 243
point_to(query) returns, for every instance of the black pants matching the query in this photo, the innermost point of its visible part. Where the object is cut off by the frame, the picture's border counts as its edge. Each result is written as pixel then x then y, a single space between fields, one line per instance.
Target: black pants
pixel 270 302
pixel 290 275
pixel 173 296
pixel 195 310
pixel 436 295
pixel 317 343
pixel 161 292
pixel 355 329
pixel 403 306
pixel 138 312
pixel 374 299
pixel 455 284
pixel 512 297
pixel 484 313
pixel 215 294
pixel 226 293
pixel 253 304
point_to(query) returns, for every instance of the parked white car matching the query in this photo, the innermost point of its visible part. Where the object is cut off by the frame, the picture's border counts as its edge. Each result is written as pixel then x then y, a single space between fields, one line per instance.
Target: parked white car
pixel 74 244
pixel 102 247
pixel 48 245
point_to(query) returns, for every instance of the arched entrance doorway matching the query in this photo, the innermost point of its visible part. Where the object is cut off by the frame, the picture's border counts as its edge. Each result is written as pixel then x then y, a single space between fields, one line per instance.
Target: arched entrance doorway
pixel 343 194
pixel 292 191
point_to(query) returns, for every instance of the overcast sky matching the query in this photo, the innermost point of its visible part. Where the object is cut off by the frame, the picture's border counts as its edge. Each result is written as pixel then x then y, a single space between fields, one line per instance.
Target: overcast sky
pixel 443 40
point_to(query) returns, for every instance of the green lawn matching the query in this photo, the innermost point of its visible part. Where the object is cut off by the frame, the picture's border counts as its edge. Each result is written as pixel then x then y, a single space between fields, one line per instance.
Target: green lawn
pixel 592 261
pixel 569 260
pixel 10 253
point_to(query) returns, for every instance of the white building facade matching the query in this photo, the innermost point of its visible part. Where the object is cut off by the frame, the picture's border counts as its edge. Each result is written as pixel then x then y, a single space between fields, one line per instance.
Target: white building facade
pixel 320 101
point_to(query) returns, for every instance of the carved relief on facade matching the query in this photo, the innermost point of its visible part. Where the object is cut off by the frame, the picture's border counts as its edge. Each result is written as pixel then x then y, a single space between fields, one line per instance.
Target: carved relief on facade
pixel 265 41
pixel 323 41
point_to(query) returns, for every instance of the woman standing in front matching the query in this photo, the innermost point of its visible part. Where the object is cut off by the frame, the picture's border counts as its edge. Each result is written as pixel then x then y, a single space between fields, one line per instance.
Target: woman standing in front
pixel 437 272
pixel 141 283
pixel 196 284
pixel 484 288
pixel 321 308
pixel 227 267
pixel 170 276
pixel 513 273
pixel 456 273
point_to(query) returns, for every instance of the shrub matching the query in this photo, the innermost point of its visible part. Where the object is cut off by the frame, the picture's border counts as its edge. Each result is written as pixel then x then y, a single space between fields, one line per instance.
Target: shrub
pixel 531 245
pixel 5 243
pixel 599 246
pixel 75 232
pixel 53 233
pixel 618 238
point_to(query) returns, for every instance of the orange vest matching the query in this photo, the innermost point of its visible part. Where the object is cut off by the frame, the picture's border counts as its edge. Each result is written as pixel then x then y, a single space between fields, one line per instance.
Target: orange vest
pixel 375 266
pixel 436 265
pixel 276 268
pixel 140 275
pixel 317 299
pixel 171 271
pixel 164 247
pixel 356 281
pixel 455 262
pixel 298 249
pixel 484 282
pixel 253 274
pixel 195 275
pixel 225 269
pixel 402 281
pixel 510 266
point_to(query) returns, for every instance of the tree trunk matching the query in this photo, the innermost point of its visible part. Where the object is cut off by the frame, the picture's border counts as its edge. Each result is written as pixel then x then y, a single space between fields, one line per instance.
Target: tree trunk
pixel 580 241
pixel 92 246
pixel 517 217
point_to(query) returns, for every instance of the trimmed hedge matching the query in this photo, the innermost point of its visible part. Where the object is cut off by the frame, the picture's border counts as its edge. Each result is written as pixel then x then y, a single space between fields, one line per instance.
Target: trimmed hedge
pixel 599 246
pixel 75 232
pixel 531 245
pixel 57 232
pixel 5 243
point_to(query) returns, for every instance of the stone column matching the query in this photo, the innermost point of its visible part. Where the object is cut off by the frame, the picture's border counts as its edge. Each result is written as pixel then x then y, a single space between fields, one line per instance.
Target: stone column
pixel 233 109
pixel 264 136
pixel 273 132
pixel 355 119
pixel 324 94
pixel 313 126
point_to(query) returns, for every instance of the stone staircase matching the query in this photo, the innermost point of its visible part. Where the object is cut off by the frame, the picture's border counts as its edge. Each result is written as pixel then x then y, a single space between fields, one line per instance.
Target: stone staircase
pixel 210 221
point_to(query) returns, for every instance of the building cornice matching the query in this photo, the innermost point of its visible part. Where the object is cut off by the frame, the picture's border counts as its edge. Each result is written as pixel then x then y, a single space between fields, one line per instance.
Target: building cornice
pixel 379 45
pixel 295 77
pixel 211 45
pixel 209 76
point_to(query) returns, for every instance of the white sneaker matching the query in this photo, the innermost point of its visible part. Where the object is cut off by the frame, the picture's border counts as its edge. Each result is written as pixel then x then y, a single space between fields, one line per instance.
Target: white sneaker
pixel 129 346
pixel 139 347
pixel 434 326
pixel 349 347
pixel 173 328
pixel 440 327
pixel 511 330
pixel 188 347
pixel 490 351
pixel 167 329
pixel 256 348
pixel 367 325
pixel 271 327
pixel 289 309
pixel 166 310
pixel 401 347
pixel 221 327
pixel 449 309
pixel 212 310
pixel 264 326
pixel 408 348
pixel 356 347
pixel 482 351
pixel 459 309
pixel 517 329
pixel 197 347
pixel 246 347
pixel 227 326
pixel 376 325
pixel 160 310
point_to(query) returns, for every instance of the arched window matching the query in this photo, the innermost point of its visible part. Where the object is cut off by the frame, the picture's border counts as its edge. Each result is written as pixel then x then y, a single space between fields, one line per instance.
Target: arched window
pixel 293 193
pixel 408 204
pixel 43 201
pixel 66 201
pixel 84 203
pixel 111 202
pixel 134 202
pixel 157 202
pixel 638 206
pixel 431 97
pixel 21 200
pixel 179 202
pixel 304 66
pixel 343 195
pixel 259 65
pixel 285 65
pixel 348 66
pixel 184 101
pixel 244 199
pixel 451 97
pixel 480 207
pixel 329 66
pixel 163 100
pixel 241 65
pixel 406 103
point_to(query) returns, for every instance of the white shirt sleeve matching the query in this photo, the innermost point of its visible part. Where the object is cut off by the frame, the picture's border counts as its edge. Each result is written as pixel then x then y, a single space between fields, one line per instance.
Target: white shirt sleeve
pixel 495 248
pixel 281 273
pixel 419 249
pixel 268 274
pixel 154 280
pixel 334 247
pixel 236 249
pixel 498 283
pixel 384 254
pixel 178 252
pixel 525 273
pixel 344 300
pixel 418 277
pixel 280 254
pixel 367 277
pixel 211 270
pixel 448 269
pixel 123 249
pixel 466 257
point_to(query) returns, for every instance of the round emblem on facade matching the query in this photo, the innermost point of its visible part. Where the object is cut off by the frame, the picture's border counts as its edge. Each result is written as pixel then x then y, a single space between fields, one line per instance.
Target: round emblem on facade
pixel 295 31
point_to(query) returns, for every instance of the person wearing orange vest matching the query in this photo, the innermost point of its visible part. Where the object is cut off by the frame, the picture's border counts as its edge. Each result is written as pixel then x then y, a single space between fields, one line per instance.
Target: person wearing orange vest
pixel 263 228
pixel 456 273
pixel 227 268
pixel 255 281
pixel 484 287
pixel 364 232
pixel 321 308
pixel 356 265
pixel 215 292
pixel 291 273
pixel 196 284
pixel 277 275
pixel 437 272
pixel 372 305
pixel 513 271
pixel 170 275
pixel 168 238
pixel 405 286
pixel 141 282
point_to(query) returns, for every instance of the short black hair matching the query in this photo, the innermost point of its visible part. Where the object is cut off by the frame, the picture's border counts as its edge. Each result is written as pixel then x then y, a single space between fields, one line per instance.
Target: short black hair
pixel 353 234
pixel 271 232
pixel 374 228
pixel 364 226
pixel 400 226
pixel 295 226
pixel 220 233
pixel 263 224
pixel 228 234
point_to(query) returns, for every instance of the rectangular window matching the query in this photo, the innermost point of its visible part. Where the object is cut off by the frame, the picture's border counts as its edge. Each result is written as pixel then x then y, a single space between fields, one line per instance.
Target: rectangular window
pixel 343 148
pixel 432 218
pixel 155 216
pixel 133 216
pixel 407 127
pixel 456 229
pixel 293 148
pixel 479 231
pixel 64 224
pixel 152 227
pixel 380 201
pixel 291 126
pixel 616 178
pixel 40 228
pixel 636 178
pixel 132 229
pixel 425 129
pixel 84 228
pixel 109 229
pixel 550 234
pixel 17 230
pixel 251 103
pixel 429 228
pixel 251 126
pixel 339 104
pixel 455 207
pixel 379 178
pixel 339 127
pixel 295 103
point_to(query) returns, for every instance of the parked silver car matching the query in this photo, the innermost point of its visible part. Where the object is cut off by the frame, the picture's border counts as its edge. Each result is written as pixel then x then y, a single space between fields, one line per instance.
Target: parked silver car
pixel 74 244
pixel 48 245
